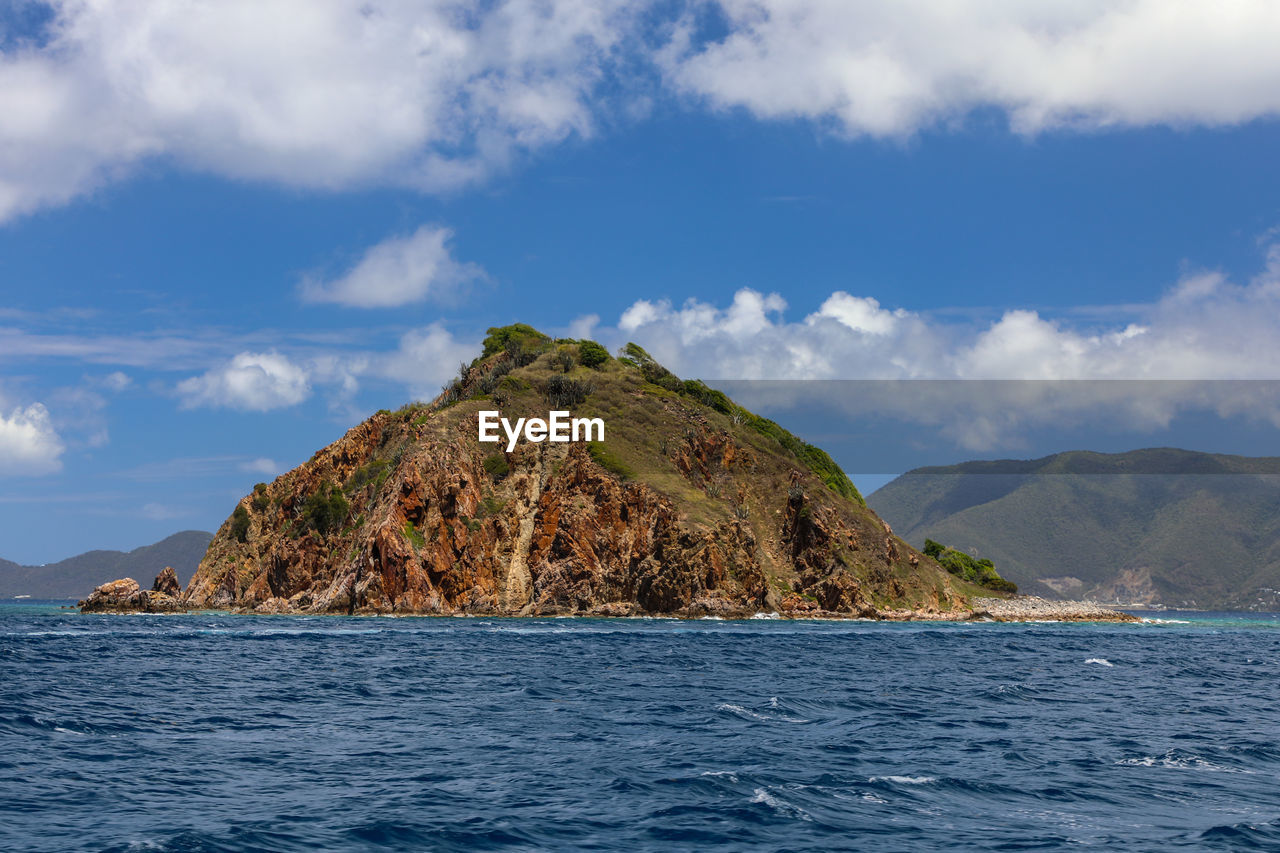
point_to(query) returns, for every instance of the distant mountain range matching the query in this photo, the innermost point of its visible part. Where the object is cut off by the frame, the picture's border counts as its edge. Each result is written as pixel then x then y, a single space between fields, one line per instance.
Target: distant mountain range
pixel 1158 526
pixel 75 577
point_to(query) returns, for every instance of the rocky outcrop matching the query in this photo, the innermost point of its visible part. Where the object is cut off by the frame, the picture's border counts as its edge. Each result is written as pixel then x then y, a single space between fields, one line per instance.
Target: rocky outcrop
pixel 126 596
pixel 691 506
pixel 166 583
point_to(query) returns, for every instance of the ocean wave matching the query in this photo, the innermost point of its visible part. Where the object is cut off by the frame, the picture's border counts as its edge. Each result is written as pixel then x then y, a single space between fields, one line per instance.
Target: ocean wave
pixel 779 805
pixel 1261 835
pixel 1181 761
pixel 774 714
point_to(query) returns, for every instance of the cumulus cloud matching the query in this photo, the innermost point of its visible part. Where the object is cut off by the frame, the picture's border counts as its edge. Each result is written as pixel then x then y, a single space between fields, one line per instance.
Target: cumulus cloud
pixel 891 67
pixel 333 94
pixel 1205 328
pixel 29 444
pixel 861 313
pixel 251 381
pixel 313 93
pixel 397 271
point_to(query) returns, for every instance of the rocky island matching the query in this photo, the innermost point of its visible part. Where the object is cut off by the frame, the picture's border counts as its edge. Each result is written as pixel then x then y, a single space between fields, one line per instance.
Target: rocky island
pixel 690 506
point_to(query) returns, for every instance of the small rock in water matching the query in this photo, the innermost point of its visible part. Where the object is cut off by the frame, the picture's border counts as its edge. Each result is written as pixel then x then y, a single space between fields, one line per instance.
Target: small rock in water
pixel 126 596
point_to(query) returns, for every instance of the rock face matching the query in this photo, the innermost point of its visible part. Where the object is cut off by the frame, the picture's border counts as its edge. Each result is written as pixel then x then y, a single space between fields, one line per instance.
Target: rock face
pixel 126 596
pixel 166 583
pixel 690 506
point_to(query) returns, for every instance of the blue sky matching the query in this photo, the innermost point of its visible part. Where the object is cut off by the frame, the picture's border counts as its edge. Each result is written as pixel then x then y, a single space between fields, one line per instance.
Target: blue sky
pixel 230 231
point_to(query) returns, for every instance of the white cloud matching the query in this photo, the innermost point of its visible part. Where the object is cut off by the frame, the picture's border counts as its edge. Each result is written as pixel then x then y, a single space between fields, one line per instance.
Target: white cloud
pixel 862 314
pixel 262 465
pixel 116 381
pixel 336 94
pixel 425 359
pixel 752 340
pixel 250 381
pixel 641 313
pixel 314 93
pixel 1204 328
pixel 584 327
pixel 891 67
pixel 398 271
pixel 29 444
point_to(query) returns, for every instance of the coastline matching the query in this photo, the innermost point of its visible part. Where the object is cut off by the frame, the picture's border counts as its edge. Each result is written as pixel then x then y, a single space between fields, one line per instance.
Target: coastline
pixel 1018 609
pixel 1035 609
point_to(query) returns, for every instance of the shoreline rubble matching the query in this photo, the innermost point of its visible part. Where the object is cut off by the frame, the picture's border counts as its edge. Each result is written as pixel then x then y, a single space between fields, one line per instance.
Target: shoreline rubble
pixel 1034 609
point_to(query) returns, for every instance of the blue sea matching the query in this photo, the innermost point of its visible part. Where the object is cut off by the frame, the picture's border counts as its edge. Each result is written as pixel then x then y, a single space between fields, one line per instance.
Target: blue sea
pixel 221 733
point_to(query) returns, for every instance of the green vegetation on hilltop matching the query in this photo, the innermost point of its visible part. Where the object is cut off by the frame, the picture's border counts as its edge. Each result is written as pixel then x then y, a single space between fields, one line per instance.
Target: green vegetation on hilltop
pixel 982 572
pixel 514 338
pixel 591 354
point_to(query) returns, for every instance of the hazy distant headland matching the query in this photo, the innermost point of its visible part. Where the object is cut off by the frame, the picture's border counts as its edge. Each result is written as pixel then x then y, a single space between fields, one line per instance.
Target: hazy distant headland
pixel 1159 526
pixel 70 578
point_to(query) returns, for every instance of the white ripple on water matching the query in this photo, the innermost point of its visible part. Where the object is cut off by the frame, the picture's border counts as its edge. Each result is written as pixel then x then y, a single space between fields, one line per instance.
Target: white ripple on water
pixel 904 780
pixel 764 718
pixel 77 632
pixel 1173 759
pixel 297 632
pixel 1100 661
pixel 779 805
